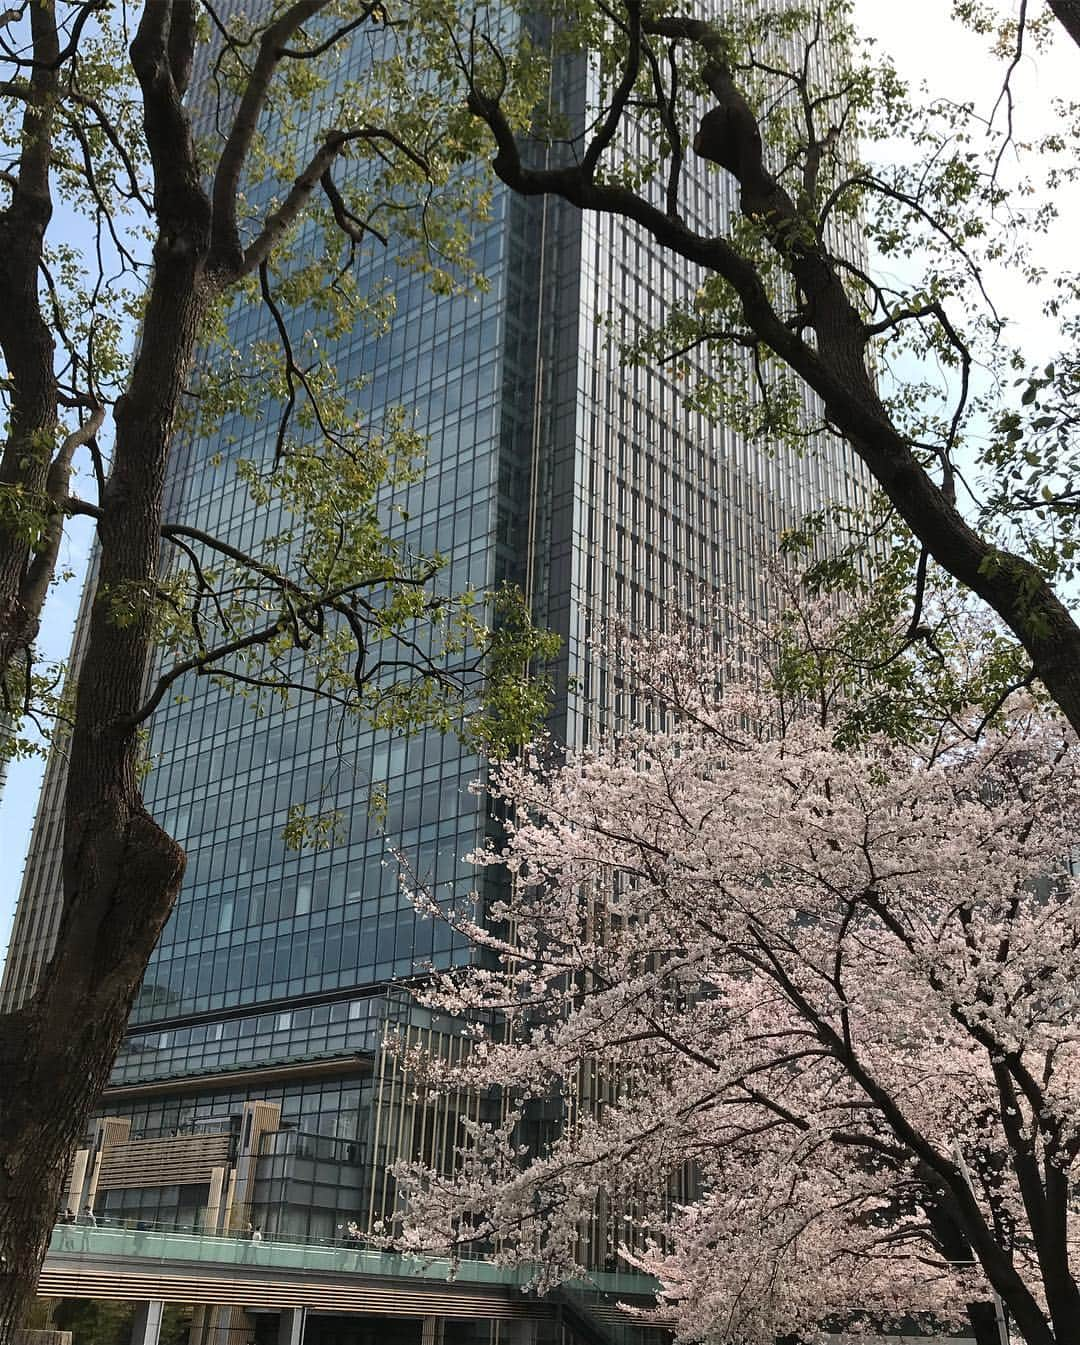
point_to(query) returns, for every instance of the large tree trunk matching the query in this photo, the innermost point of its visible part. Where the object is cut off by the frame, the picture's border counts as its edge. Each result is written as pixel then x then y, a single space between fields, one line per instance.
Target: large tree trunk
pixel 121 871
pixel 56 1054
pixel 955 1247
pixel 28 350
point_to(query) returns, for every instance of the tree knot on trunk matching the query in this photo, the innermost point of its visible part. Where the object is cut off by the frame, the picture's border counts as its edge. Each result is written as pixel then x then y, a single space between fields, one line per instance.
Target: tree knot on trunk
pixel 729 135
pixel 174 247
pixel 152 854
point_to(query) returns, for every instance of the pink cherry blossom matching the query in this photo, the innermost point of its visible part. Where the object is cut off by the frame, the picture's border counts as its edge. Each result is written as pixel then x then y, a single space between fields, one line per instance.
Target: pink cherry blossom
pixel 811 1013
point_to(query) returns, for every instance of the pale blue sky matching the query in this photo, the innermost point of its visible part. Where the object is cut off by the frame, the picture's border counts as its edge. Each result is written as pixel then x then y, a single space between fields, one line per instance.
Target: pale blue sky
pixel 926 46
pixel 23 782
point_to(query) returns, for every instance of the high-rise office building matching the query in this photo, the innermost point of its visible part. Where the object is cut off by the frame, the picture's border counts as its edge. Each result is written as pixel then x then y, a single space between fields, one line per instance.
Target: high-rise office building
pixel 593 484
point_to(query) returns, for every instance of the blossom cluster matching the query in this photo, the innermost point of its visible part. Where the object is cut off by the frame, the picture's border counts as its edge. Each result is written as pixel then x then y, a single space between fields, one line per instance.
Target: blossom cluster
pixel 811 1013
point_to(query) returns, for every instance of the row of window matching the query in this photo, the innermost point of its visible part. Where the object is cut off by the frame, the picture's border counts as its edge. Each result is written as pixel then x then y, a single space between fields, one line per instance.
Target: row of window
pixel 356 954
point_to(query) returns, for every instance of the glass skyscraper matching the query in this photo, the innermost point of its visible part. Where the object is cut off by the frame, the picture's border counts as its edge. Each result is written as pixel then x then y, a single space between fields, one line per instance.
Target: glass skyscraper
pixel 594 485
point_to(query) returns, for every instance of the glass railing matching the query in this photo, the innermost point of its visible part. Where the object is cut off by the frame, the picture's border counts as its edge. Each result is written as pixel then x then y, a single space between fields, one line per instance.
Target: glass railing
pixel 166 1243
pixel 155 1244
pixel 130 1223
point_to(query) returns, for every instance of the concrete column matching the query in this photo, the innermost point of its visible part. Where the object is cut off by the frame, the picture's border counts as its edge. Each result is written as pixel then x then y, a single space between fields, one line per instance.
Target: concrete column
pixel 146 1326
pixel 256 1120
pixel 228 1325
pixel 291 1324
pixel 227 1222
pixel 212 1218
pixel 90 1193
pixel 74 1200
pixel 431 1332
pixel 109 1130
pixel 217 1325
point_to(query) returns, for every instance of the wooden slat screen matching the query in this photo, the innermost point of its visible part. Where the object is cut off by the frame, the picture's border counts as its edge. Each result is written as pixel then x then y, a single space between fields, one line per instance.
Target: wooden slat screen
pixel 345 1293
pixel 181 1160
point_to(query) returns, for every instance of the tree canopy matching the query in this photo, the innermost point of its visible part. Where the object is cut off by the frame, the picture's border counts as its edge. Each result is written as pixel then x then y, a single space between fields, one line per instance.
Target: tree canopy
pixel 846 241
pixel 127 203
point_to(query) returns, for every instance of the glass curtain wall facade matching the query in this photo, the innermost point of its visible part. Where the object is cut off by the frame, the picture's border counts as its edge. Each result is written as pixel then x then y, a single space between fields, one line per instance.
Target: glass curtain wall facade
pixel 591 483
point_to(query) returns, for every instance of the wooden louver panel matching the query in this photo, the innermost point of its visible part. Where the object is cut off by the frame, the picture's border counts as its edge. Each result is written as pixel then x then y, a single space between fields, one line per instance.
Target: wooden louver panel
pixel 345 1293
pixel 182 1160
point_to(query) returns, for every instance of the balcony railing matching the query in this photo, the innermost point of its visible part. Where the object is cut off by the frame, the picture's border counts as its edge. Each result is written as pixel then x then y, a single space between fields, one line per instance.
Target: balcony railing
pixel 161 1243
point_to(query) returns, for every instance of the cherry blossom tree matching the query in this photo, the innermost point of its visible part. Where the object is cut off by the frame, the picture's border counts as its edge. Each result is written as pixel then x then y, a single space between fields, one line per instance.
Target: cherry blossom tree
pixel 811 1010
